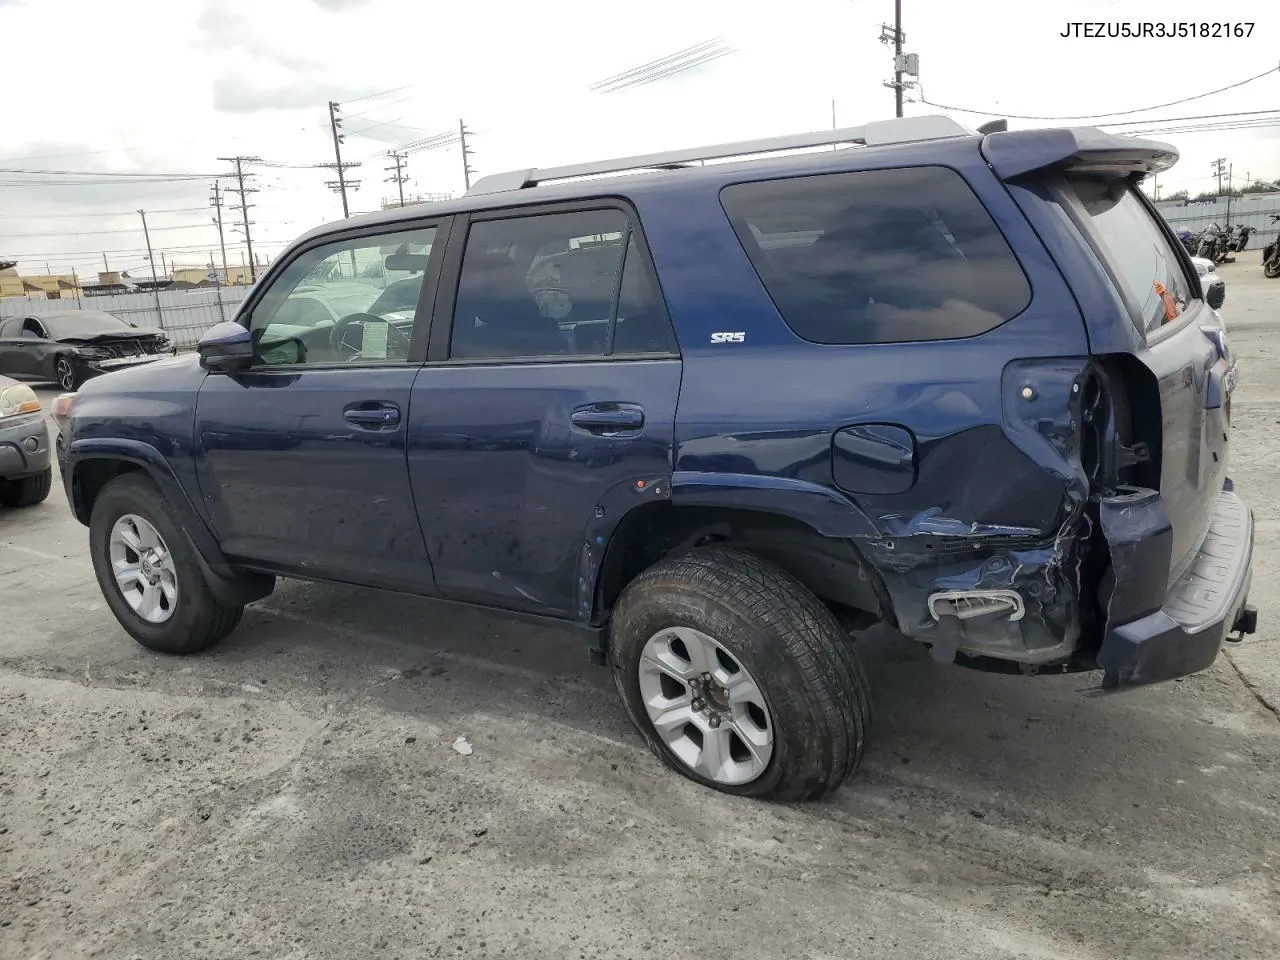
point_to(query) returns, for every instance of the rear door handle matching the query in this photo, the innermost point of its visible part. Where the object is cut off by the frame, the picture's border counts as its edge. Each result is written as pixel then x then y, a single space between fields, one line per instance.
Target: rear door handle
pixel 608 419
pixel 372 415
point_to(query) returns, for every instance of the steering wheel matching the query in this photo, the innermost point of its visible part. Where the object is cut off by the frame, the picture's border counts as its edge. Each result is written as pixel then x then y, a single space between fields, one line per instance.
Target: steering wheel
pixel 337 335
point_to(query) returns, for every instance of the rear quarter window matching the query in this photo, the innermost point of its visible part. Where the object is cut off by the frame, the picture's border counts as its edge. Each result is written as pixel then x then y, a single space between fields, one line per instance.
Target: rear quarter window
pixel 878 256
pixel 1134 249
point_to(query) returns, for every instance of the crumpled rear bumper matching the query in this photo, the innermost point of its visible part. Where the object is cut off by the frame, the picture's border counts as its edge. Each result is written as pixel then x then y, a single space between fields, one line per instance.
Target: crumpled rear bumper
pixel 1149 638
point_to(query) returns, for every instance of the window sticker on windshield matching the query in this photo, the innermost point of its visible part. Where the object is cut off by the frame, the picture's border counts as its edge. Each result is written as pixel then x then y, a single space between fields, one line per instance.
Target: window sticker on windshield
pixel 373 343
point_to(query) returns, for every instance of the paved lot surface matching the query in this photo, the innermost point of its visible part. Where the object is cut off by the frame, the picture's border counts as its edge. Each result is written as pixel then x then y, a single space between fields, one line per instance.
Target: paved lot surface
pixel 294 793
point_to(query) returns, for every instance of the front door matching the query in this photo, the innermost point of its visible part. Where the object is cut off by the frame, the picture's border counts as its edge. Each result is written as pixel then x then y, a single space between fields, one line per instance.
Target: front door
pixel 550 392
pixel 302 457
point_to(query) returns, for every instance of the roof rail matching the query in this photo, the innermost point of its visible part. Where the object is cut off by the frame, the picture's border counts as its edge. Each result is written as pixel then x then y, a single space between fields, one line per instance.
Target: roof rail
pixel 876 133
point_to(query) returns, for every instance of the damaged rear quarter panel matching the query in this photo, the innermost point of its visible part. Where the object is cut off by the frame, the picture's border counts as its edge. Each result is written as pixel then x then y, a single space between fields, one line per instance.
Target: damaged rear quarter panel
pixel 997 499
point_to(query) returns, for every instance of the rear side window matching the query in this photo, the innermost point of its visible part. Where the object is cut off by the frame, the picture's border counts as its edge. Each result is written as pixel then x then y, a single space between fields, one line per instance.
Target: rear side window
pixel 878 256
pixel 1142 262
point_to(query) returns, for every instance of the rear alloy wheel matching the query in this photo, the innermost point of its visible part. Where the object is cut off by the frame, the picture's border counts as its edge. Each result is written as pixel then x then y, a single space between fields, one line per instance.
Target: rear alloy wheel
pixel 28 491
pixel 739 677
pixel 65 372
pixel 706 707
pixel 148 571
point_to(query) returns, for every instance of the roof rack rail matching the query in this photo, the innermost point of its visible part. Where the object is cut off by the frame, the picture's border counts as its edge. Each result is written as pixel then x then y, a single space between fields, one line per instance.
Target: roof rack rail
pixel 876 133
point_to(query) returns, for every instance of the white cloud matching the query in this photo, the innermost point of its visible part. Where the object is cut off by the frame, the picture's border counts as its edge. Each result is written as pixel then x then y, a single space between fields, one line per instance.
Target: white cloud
pixel 253 77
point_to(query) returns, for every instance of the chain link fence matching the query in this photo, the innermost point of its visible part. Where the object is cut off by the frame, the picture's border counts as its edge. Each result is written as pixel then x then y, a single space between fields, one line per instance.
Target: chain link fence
pixel 183 314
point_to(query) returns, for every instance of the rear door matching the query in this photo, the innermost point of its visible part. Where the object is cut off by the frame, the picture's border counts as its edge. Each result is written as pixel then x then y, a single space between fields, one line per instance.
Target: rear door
pixel 1180 339
pixel 547 405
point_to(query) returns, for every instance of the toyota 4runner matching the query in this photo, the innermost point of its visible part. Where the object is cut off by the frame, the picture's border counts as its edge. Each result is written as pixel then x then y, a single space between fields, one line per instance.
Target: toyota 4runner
pixel 719 413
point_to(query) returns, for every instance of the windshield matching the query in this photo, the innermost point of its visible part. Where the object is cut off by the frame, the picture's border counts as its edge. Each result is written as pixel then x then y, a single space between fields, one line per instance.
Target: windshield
pixel 90 325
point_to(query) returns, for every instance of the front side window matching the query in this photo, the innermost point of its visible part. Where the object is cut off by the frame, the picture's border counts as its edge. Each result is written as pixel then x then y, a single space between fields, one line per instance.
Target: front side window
pixel 1144 265
pixel 556 285
pixel 353 301
pixel 878 256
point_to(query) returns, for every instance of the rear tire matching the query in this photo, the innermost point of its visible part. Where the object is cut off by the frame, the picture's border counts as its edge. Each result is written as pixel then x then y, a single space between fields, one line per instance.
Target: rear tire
pixel 807 695
pixel 134 534
pixel 28 491
pixel 1271 269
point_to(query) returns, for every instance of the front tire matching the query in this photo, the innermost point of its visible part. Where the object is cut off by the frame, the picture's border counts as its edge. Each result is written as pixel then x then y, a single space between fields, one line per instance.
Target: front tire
pixel 738 677
pixel 64 371
pixel 28 491
pixel 148 571
pixel 1271 269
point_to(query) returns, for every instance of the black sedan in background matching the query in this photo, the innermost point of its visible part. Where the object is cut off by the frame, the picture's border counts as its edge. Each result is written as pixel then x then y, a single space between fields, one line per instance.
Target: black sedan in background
pixel 68 348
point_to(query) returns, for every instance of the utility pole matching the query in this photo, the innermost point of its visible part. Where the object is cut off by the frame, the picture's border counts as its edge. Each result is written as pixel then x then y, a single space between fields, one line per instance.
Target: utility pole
pixel 1217 171
pixel 342 183
pixel 244 206
pixel 217 284
pixel 897 57
pixel 1230 167
pixel 164 265
pixel 399 177
pixel 105 266
pixel 215 200
pixel 75 282
pixel 466 154
pixel 903 64
pixel 155 284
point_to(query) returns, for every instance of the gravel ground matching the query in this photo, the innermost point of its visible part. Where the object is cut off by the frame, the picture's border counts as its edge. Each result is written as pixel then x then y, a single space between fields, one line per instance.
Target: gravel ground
pixel 295 793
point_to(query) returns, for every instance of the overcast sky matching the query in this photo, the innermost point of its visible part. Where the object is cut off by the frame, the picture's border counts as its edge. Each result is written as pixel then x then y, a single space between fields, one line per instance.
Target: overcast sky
pixel 150 86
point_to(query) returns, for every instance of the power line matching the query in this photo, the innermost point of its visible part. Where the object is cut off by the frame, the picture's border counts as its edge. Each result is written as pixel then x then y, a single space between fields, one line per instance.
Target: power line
pixel 95 233
pixel 36 215
pixel 381 93
pixel 105 173
pixel 1202 116
pixel 664 67
pixel 1098 116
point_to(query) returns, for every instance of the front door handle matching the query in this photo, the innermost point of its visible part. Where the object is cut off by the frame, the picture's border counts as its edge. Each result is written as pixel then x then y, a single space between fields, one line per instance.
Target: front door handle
pixel 608 419
pixel 372 415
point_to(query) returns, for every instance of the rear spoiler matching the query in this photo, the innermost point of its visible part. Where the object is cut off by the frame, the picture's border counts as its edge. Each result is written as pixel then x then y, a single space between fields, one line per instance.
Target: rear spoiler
pixel 1018 153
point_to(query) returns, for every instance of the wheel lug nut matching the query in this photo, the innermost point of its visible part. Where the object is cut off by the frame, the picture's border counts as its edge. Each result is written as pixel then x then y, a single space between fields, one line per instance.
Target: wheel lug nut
pixel 698 704
pixel 715 720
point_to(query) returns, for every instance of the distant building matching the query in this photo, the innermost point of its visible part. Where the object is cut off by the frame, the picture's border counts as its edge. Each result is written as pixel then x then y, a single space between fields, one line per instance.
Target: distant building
pixel 53 286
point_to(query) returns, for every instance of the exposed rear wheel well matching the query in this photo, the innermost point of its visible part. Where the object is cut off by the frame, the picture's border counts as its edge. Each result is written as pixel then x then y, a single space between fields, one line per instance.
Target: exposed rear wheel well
pixel 90 477
pixel 832 568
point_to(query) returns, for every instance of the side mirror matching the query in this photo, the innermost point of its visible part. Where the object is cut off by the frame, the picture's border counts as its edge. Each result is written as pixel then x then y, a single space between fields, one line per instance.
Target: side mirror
pixel 225 348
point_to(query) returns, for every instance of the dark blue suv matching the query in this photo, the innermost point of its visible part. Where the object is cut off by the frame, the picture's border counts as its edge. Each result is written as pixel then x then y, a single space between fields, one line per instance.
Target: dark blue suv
pixel 719 413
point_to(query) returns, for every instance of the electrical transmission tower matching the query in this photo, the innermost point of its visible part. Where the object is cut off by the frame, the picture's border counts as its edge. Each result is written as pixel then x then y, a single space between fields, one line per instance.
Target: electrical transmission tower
pixel 243 191
pixel 342 184
pixel 399 176
pixel 467 170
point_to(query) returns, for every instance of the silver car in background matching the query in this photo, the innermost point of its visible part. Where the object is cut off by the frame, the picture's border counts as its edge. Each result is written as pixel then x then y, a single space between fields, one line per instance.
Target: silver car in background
pixel 25 470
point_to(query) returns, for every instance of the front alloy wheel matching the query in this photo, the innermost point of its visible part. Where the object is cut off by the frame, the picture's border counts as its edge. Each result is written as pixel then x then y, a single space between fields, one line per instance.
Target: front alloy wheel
pixel 705 706
pixel 143 568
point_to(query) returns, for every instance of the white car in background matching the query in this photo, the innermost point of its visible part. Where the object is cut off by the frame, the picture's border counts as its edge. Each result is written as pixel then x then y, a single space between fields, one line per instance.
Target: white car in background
pixel 1215 288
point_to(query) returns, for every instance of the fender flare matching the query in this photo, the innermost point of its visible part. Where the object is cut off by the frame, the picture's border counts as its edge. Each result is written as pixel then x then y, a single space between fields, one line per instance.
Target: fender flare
pixel 825 510
pixel 228 584
pixel 822 509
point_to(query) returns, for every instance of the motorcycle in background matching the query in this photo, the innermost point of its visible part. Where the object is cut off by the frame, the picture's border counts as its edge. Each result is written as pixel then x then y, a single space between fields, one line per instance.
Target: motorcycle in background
pixel 1240 240
pixel 1271 254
